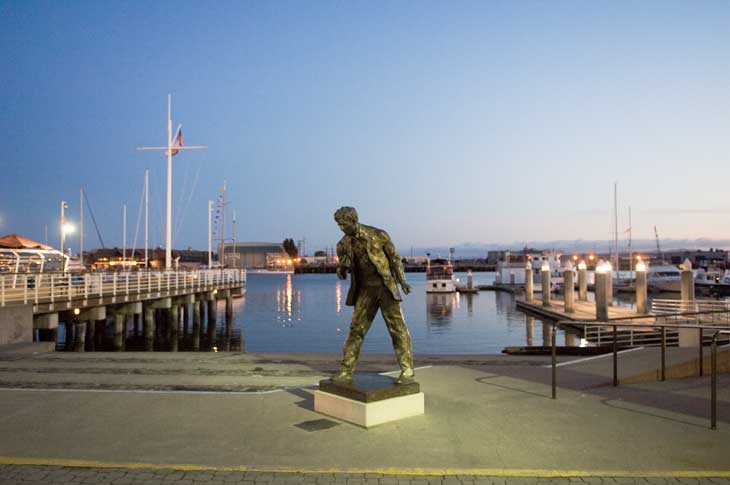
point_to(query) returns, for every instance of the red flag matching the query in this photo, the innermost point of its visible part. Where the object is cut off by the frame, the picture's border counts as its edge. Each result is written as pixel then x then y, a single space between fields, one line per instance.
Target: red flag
pixel 178 142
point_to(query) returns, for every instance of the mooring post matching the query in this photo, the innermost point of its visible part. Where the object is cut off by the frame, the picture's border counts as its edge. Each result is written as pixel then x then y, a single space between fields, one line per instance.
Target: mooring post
pixel 529 282
pixel 196 326
pixel 99 332
pixel 568 288
pixel 601 291
pixel 137 317
pixel 641 287
pixel 149 328
pixel 174 326
pixel 119 319
pixel 529 329
pixel 582 281
pixel 609 283
pixel 545 273
pixel 688 285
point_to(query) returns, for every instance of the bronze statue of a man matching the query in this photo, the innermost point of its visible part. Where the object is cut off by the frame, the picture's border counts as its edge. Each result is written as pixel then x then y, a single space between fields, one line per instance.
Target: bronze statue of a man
pixel 369 255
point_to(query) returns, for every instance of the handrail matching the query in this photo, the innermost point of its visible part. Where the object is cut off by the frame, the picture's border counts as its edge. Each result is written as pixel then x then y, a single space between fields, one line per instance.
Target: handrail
pixel 663 326
pixel 51 287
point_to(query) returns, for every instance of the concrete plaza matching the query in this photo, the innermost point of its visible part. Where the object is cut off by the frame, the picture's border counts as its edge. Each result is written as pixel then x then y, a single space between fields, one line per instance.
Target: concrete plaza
pixel 488 418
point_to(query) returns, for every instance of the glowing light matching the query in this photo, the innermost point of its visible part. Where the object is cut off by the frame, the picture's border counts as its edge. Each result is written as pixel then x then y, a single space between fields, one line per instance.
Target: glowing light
pixel 575 257
pixel 582 265
pixel 69 228
pixel 545 267
pixel 77 311
pixel 591 257
pixel 640 265
pixel 602 267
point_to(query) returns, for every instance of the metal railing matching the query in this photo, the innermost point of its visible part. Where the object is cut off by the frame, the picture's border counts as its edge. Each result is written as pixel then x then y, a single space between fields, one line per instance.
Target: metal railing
pixel 23 289
pixel 663 327
pixel 661 306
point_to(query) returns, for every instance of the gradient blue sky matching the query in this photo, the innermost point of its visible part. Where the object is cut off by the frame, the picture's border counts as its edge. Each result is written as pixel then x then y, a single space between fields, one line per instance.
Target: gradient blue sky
pixel 443 122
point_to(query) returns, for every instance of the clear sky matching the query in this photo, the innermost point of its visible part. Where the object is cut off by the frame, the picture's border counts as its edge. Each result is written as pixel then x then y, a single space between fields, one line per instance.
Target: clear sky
pixel 442 122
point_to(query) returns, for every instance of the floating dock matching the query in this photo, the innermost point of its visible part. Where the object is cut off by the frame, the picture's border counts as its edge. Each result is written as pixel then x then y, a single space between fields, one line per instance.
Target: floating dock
pixel 583 310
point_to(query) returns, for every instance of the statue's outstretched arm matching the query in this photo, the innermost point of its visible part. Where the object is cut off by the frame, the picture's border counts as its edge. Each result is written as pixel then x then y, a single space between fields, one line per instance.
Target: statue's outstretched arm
pixel 344 260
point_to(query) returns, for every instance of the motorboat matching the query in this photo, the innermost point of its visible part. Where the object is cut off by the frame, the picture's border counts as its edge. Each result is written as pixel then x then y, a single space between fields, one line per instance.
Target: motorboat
pixel 440 277
pixel 664 278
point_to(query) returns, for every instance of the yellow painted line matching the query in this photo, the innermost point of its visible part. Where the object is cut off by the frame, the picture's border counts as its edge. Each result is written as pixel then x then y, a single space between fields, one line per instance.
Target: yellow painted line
pixel 500 472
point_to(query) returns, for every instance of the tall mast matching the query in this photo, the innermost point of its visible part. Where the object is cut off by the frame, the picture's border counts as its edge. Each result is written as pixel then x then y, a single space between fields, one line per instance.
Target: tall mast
pixel 233 231
pixel 124 234
pixel 615 224
pixel 81 227
pixel 168 210
pixel 146 214
pixel 210 233
pixel 223 228
pixel 631 256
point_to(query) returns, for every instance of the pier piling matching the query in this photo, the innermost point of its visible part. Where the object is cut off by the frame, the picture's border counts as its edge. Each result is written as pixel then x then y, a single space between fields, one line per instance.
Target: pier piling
pixel 211 321
pixel 149 328
pixel 196 326
pixel 601 293
pixel 90 335
pixel 545 285
pixel 80 336
pixel 529 282
pixel 174 326
pixel 582 281
pixel 229 323
pixel 568 289
pixel 118 329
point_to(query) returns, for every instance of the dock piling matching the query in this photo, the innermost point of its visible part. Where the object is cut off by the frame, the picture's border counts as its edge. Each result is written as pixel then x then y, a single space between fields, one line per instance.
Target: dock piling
pixel 641 287
pixel 568 289
pixel 529 282
pixel 545 285
pixel 174 326
pixel 601 292
pixel 196 326
pixel 582 281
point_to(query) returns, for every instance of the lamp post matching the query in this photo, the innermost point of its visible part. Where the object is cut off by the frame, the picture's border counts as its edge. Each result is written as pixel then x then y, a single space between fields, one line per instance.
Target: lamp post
pixel 64 206
pixel 641 288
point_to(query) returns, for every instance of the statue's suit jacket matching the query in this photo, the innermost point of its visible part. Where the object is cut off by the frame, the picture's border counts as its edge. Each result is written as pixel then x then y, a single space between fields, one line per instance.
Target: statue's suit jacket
pixel 382 254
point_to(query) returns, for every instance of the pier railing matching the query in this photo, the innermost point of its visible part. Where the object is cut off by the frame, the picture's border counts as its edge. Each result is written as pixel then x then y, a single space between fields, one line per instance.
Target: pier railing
pixel 663 306
pixel 663 326
pixel 23 289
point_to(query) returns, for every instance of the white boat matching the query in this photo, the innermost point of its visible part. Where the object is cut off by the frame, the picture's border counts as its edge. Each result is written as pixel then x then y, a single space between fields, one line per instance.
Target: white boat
pixel 440 278
pixel 664 278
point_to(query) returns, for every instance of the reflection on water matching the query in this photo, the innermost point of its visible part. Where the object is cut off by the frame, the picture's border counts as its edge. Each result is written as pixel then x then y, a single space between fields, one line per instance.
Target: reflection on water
pixel 440 307
pixel 307 313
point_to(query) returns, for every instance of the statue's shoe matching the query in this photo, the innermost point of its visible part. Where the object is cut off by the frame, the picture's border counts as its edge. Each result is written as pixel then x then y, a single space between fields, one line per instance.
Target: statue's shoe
pixel 406 377
pixel 344 377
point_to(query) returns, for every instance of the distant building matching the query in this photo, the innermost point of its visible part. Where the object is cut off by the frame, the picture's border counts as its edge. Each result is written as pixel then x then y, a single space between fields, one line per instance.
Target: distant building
pixel 699 258
pixel 256 255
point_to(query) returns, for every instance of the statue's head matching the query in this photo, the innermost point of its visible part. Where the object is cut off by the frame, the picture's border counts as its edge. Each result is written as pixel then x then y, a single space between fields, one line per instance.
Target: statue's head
pixel 346 218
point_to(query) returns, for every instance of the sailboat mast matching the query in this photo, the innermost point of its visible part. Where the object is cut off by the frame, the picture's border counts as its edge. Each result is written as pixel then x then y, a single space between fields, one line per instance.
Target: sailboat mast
pixel 146 214
pixel 631 256
pixel 223 227
pixel 615 225
pixel 124 234
pixel 81 227
pixel 234 237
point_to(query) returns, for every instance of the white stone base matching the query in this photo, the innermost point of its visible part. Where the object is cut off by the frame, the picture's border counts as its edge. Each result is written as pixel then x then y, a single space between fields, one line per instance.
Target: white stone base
pixel 368 414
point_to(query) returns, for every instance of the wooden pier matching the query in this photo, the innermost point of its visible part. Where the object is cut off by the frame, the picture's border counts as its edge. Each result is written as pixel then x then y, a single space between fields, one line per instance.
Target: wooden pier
pixel 87 302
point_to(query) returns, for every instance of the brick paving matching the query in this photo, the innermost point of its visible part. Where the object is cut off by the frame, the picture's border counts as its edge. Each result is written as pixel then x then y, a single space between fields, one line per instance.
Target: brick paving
pixel 33 474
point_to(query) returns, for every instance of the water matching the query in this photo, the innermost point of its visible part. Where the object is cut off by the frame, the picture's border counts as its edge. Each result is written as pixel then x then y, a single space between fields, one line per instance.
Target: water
pixel 307 313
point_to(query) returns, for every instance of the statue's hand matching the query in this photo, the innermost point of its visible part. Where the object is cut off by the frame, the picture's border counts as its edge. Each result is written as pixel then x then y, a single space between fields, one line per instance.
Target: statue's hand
pixel 342 273
pixel 406 287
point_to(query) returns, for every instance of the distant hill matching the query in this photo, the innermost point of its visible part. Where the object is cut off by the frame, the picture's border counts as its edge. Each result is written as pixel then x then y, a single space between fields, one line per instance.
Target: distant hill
pixel 475 250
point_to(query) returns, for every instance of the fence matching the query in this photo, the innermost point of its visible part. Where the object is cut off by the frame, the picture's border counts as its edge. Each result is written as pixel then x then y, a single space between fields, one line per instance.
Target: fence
pixel 614 346
pixel 22 289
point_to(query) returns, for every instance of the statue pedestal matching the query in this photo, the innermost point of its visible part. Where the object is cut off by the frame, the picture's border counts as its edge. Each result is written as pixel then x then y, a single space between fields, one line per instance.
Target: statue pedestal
pixel 370 400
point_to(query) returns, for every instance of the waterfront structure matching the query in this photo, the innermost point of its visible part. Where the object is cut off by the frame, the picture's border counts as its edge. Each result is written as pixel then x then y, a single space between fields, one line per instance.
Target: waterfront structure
pixel 22 255
pixel 256 255
pixel 85 302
